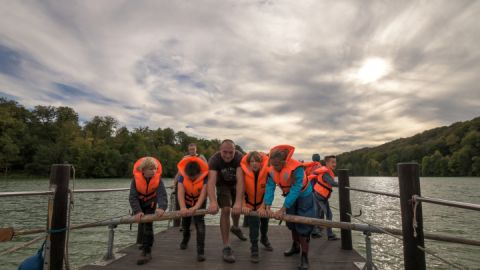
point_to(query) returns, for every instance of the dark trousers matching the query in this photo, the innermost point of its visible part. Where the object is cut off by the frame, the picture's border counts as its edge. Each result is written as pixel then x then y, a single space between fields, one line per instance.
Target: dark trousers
pixel 199 227
pixel 255 223
pixel 305 207
pixel 146 230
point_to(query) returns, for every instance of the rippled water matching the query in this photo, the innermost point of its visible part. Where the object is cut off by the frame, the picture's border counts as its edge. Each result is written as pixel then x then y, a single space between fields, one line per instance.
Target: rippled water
pixel 89 245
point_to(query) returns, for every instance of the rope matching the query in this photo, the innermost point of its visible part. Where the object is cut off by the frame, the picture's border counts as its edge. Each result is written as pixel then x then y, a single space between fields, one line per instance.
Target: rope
pixel 29 243
pixel 414 221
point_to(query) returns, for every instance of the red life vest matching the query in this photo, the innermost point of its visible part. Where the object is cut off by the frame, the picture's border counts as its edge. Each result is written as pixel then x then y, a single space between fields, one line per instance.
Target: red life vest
pixel 254 192
pixel 147 191
pixel 284 179
pixel 322 188
pixel 193 187
pixel 310 167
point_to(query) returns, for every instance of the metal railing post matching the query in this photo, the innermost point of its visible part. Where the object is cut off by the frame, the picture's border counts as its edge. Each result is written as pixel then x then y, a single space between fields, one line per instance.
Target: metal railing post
pixel 111 236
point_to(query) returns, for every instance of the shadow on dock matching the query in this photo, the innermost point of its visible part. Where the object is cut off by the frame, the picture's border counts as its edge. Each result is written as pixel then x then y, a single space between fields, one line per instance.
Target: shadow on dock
pixel 167 254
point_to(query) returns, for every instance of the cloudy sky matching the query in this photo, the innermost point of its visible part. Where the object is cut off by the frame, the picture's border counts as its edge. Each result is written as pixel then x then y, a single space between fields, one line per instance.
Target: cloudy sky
pixel 324 76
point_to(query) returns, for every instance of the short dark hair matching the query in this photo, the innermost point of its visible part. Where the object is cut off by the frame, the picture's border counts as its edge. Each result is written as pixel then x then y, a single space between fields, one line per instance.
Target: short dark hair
pixel 255 156
pixel 316 157
pixel 192 169
pixel 227 141
pixel 327 158
pixel 280 154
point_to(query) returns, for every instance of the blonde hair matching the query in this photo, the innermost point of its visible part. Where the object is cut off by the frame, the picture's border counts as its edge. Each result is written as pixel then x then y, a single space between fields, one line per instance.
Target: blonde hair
pixel 148 162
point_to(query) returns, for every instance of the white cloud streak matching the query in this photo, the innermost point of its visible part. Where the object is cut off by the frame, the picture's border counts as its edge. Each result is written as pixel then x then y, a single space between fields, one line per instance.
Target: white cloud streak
pixel 259 72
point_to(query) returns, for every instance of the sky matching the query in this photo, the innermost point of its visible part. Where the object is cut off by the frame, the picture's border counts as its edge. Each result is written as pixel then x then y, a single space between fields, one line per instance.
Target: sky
pixel 324 76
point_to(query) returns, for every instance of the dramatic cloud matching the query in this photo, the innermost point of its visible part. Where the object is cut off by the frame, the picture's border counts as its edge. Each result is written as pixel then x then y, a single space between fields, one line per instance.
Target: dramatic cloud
pixel 323 76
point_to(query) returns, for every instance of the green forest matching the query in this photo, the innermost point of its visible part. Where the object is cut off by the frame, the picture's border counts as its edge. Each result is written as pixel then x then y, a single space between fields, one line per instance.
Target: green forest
pixel 443 151
pixel 32 140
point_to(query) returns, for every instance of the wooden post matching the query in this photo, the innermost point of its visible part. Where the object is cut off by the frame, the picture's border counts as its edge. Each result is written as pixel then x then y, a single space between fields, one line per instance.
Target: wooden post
pixel 409 183
pixel 60 177
pixel 345 207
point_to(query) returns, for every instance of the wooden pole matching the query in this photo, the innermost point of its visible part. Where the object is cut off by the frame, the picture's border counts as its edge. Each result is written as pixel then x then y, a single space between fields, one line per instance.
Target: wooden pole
pixel 60 177
pixel 290 218
pixel 409 183
pixel 345 207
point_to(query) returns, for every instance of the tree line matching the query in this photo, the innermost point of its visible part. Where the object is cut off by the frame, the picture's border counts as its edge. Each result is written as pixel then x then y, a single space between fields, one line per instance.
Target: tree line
pixel 445 151
pixel 32 140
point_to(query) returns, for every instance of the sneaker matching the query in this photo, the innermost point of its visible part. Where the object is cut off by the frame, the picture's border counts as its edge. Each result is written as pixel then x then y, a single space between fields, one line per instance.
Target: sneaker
pixel 266 244
pixel 254 257
pixel 228 255
pixel 238 233
pixel 200 257
pixel 333 238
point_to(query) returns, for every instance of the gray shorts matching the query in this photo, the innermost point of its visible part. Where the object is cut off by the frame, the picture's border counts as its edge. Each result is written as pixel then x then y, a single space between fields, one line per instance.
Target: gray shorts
pixel 225 196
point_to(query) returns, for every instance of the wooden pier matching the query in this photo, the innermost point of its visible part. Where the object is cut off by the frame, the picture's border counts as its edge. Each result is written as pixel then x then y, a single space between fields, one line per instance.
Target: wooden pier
pixel 167 254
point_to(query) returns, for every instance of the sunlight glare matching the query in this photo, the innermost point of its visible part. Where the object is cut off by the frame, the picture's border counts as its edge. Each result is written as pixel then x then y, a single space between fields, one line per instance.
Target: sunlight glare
pixel 372 70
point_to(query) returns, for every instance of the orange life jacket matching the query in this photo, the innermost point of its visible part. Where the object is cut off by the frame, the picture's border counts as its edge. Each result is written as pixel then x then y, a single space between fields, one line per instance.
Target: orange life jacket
pixel 284 179
pixel 322 188
pixel 147 191
pixel 310 167
pixel 254 190
pixel 193 187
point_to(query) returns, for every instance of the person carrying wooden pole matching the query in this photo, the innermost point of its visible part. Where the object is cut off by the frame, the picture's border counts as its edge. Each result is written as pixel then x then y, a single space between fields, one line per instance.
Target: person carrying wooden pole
pixel 146 191
pixel 289 175
pixel 192 193
pixel 255 172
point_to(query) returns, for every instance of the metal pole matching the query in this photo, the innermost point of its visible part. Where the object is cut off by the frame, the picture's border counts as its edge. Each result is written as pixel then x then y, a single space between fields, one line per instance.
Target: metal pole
pixel 469 206
pixel 369 265
pixel 409 183
pixel 345 207
pixel 111 236
pixel 60 177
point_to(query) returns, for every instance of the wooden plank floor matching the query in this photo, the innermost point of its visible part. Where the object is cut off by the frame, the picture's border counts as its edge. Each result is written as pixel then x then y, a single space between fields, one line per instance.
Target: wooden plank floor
pixel 167 255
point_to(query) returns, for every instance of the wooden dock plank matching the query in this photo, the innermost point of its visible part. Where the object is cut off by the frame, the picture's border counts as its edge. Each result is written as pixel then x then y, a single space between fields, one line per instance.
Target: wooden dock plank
pixel 167 254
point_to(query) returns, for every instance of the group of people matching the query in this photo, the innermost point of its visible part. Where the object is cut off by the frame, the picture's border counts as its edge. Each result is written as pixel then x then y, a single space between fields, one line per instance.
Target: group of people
pixel 236 184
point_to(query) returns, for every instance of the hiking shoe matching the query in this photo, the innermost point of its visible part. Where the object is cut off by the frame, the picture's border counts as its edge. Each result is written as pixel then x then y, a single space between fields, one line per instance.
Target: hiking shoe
pixel 254 257
pixel 238 233
pixel 295 249
pixel 144 258
pixel 333 238
pixel 228 255
pixel 200 257
pixel 266 244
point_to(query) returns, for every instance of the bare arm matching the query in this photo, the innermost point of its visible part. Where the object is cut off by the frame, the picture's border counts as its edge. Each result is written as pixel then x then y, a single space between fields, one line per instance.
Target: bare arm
pixel 212 181
pixel 212 195
pixel 240 188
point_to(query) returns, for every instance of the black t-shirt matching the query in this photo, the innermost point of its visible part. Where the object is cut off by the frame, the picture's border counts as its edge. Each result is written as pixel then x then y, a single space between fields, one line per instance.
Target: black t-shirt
pixel 226 172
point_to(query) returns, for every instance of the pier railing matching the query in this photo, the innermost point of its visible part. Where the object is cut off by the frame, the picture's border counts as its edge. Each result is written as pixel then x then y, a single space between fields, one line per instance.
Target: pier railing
pixel 410 204
pixel 411 214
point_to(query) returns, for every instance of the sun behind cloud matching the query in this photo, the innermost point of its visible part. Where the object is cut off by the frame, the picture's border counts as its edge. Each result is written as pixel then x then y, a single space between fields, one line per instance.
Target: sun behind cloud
pixel 373 69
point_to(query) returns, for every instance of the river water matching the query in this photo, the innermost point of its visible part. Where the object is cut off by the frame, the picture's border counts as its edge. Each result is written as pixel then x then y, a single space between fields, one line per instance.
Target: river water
pixel 89 245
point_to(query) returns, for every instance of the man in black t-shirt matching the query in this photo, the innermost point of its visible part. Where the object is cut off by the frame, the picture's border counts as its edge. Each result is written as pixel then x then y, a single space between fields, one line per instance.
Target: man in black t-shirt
pixel 225 174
